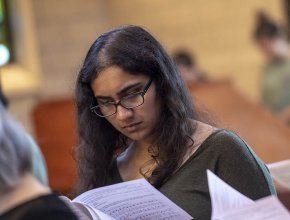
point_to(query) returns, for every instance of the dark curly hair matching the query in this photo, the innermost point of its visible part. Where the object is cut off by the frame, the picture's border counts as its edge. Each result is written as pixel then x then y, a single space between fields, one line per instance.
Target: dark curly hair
pixel 136 51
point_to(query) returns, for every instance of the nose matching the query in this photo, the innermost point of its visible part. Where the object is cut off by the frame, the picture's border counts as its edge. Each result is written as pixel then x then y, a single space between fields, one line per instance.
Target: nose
pixel 123 113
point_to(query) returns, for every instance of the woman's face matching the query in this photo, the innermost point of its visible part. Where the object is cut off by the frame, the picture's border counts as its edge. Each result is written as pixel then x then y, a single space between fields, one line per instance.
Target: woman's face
pixel 113 84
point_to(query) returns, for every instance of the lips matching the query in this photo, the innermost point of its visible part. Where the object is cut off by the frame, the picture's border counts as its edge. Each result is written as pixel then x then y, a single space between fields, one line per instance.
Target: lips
pixel 132 127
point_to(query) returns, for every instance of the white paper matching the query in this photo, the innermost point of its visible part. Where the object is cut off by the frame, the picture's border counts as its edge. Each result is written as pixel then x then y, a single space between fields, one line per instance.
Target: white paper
pixel 229 204
pixel 280 172
pixel 268 208
pixel 135 199
pixel 98 215
pixel 223 196
pixel 82 211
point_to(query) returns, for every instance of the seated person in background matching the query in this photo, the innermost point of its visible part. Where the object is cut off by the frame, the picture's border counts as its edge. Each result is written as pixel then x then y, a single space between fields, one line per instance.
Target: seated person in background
pixel 22 196
pixel 187 67
pixel 275 85
pixel 38 162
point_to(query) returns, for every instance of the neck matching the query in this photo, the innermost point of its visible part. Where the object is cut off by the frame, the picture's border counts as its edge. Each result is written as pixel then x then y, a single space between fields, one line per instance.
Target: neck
pixel 141 146
pixel 133 159
pixel 27 189
pixel 138 151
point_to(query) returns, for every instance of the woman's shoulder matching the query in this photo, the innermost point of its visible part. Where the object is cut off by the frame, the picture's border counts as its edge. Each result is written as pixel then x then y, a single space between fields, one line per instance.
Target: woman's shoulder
pixel 212 140
pixel 228 144
pixel 225 135
pixel 208 135
pixel 202 132
pixel 227 140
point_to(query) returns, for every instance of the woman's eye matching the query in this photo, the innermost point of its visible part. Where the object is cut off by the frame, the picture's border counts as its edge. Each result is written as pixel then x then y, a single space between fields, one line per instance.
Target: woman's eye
pixel 132 95
pixel 103 102
pixel 134 91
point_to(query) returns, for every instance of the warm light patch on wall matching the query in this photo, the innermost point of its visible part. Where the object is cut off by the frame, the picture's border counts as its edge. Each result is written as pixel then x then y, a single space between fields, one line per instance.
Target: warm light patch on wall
pixel 20 77
pixel 16 80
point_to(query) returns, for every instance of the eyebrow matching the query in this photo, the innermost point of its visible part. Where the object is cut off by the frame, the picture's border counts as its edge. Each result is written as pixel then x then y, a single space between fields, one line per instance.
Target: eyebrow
pixel 122 91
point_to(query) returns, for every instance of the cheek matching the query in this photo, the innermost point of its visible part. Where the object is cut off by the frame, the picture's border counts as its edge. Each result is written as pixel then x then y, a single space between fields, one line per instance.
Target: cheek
pixel 154 108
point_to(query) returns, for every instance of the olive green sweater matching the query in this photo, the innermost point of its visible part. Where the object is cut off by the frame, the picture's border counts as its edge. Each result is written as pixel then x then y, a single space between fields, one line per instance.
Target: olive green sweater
pixel 226 155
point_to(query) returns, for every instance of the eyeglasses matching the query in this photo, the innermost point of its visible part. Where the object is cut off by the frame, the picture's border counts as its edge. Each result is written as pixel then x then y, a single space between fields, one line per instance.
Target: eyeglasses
pixel 130 101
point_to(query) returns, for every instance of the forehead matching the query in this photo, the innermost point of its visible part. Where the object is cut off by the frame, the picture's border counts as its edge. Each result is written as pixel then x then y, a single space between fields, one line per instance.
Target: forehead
pixel 113 79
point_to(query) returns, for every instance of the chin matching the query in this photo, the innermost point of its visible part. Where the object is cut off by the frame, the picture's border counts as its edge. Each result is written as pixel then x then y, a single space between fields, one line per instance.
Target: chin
pixel 137 136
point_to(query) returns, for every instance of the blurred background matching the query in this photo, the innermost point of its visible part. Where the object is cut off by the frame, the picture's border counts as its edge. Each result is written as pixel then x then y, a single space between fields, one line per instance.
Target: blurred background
pixel 48 39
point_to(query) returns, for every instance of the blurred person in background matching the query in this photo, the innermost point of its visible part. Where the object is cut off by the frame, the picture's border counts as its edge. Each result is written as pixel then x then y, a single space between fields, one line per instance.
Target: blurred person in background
pixel 188 67
pixel 275 84
pixel 22 195
pixel 38 162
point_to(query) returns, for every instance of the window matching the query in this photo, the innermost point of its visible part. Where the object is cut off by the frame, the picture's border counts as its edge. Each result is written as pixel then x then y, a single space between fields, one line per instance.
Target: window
pixel 5 40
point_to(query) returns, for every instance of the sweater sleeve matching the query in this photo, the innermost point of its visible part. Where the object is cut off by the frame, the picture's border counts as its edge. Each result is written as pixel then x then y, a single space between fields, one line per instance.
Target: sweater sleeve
pixel 241 168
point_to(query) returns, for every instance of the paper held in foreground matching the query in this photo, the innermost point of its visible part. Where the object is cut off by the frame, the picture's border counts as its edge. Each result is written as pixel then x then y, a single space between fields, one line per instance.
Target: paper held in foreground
pixel 280 172
pixel 228 204
pixel 135 199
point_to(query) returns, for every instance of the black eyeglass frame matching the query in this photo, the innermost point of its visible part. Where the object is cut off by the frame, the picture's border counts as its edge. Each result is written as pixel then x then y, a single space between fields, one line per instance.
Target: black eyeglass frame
pixel 119 102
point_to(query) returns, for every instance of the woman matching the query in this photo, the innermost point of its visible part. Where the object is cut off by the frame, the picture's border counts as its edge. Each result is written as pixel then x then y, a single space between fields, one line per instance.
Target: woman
pixel 135 120
pixel 22 196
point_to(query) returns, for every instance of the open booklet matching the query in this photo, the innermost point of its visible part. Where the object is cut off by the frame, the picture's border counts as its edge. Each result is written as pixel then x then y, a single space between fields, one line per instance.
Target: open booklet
pixel 228 203
pixel 135 199
pixel 280 172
